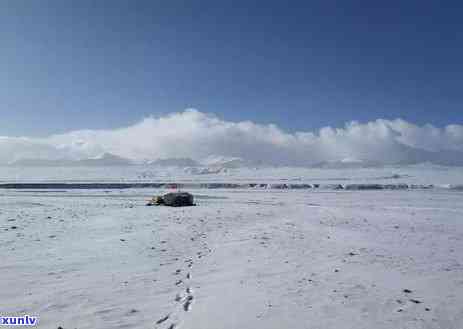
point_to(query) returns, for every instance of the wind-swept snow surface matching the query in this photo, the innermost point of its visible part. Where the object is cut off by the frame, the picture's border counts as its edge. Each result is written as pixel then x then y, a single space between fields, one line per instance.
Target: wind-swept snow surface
pixel 423 174
pixel 240 259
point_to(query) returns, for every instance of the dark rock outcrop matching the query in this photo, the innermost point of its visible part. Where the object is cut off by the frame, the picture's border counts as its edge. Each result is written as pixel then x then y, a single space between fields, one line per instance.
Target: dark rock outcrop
pixel 174 199
pixel 178 199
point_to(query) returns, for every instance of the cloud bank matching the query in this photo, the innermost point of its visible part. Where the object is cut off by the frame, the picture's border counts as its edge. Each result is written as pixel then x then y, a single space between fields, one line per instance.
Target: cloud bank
pixel 198 135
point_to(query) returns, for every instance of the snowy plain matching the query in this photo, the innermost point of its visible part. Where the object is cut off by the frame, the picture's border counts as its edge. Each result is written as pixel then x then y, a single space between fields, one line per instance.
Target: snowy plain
pixel 242 258
pixel 411 174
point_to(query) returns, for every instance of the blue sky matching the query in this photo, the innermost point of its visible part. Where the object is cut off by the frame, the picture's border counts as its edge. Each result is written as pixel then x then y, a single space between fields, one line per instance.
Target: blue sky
pixel 69 65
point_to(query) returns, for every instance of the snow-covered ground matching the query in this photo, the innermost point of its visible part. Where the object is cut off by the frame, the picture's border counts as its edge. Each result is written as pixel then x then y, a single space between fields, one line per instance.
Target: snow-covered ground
pixel 242 258
pixel 414 174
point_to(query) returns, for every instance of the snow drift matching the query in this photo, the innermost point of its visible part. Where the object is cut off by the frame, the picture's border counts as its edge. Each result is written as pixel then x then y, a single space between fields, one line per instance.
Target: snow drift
pixel 196 135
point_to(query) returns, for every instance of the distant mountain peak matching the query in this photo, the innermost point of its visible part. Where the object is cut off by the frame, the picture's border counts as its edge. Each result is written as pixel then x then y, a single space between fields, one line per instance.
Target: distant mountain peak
pixel 175 162
pixel 106 159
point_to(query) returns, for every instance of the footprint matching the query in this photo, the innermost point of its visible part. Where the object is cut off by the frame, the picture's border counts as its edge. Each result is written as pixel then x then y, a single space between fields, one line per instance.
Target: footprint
pixel 187 304
pixel 161 320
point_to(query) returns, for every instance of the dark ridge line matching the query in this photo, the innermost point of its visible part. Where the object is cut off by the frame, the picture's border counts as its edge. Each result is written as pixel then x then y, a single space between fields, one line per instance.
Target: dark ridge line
pixel 277 186
pixel 76 186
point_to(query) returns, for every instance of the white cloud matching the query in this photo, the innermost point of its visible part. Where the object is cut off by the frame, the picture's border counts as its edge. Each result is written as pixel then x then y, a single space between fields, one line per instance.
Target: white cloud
pixel 198 135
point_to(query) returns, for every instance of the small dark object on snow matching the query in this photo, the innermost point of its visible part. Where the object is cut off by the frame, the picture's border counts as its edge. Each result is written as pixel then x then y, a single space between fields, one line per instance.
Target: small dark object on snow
pixel 174 199
pixel 178 199
pixel 155 201
pixel 407 291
